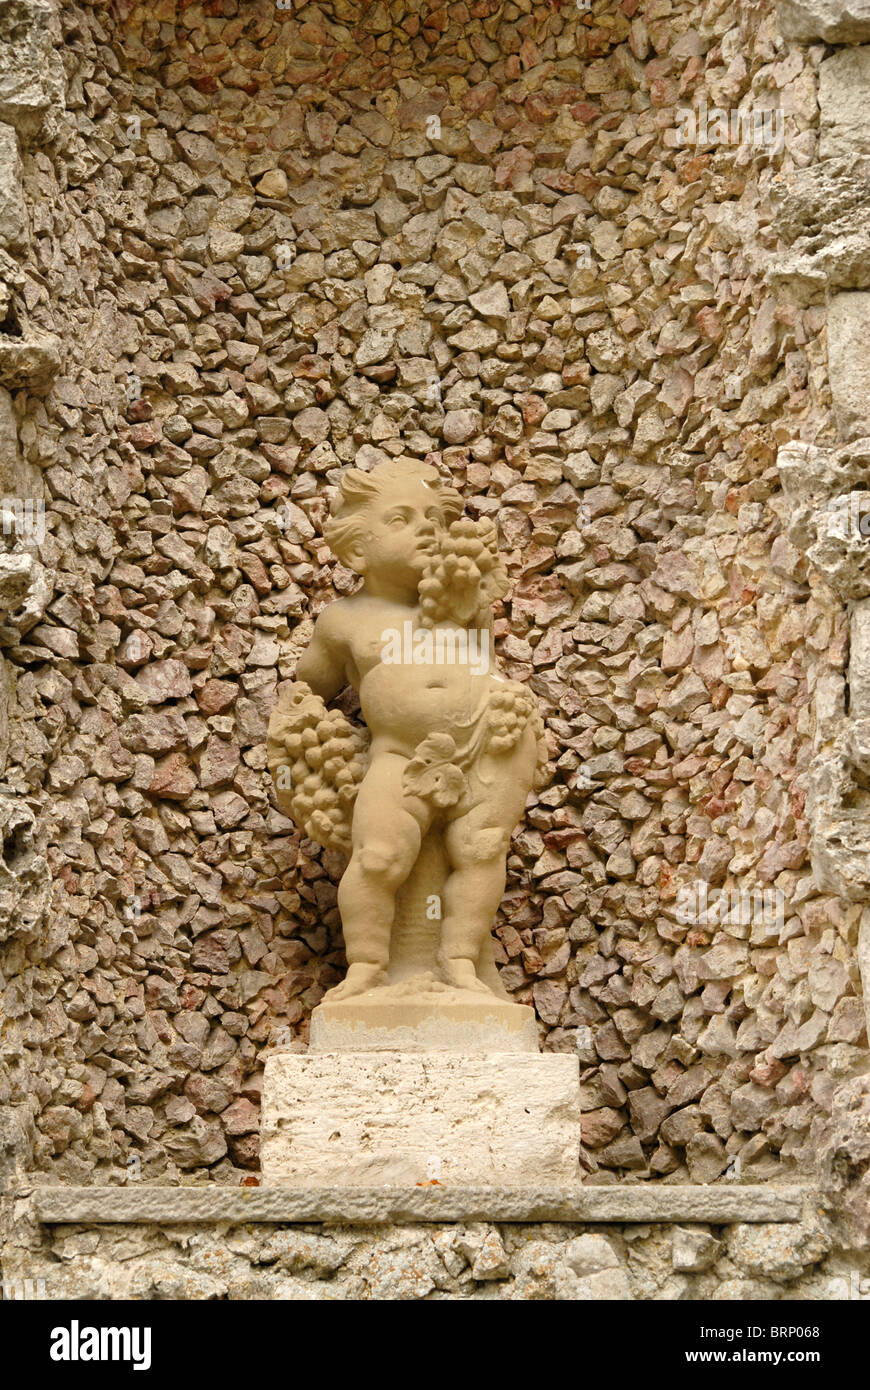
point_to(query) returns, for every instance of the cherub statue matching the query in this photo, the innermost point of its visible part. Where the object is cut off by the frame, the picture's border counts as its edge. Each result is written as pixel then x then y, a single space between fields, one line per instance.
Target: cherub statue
pixel 425 804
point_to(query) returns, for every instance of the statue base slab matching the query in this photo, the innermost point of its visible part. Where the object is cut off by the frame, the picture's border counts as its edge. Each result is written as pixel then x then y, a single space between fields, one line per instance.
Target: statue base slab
pixel 427 1016
pixel 348 1119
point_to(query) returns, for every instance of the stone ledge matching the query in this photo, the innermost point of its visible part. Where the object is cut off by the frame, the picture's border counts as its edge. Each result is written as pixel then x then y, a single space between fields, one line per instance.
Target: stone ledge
pixel 371 1205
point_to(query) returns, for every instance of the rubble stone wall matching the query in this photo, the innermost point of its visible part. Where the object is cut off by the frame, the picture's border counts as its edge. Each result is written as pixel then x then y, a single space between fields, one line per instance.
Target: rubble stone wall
pixel 460 1260
pixel 246 246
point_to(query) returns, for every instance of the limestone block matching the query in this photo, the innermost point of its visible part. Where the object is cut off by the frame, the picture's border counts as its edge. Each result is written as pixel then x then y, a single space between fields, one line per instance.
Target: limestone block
pixel 834 21
pixel 839 850
pixel 693 1248
pixel 5 699
pixel 11 281
pixel 830 706
pixel 33 360
pixel 864 961
pixel 810 473
pixel 26 588
pixel 14 472
pixel 31 74
pixel 841 550
pixel 849 360
pixel 859 661
pixel 778 1252
pixel 349 1119
pixel 25 884
pixel 821 212
pixel 844 1163
pixel 14 226
pixel 585 1269
pixel 844 91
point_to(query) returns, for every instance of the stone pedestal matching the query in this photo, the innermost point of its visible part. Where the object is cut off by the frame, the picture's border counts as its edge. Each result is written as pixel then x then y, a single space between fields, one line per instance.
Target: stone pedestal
pixel 451 1020
pixel 351 1119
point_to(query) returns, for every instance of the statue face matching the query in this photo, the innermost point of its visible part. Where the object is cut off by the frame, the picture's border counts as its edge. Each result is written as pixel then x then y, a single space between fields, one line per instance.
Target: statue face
pixel 401 527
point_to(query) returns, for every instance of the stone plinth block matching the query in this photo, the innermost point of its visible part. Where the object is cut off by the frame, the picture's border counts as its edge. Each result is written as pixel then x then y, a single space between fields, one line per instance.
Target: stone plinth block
pixel 351 1119
pixel 453 1021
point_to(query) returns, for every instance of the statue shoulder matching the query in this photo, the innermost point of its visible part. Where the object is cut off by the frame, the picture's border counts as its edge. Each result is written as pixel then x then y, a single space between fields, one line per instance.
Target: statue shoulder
pixel 334 622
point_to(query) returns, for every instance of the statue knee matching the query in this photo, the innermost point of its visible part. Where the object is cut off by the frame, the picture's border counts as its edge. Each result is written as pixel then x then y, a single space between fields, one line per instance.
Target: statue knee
pixel 384 862
pixel 482 846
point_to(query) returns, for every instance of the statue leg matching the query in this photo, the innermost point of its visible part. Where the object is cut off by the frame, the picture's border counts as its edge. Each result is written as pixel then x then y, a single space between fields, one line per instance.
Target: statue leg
pixel 386 842
pixel 477 845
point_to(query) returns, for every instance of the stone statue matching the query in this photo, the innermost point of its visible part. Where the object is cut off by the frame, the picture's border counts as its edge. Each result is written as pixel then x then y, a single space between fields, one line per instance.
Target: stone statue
pixel 423 799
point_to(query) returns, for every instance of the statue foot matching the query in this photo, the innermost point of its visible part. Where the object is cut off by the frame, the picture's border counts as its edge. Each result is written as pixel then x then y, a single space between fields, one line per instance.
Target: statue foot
pixel 360 977
pixel 460 972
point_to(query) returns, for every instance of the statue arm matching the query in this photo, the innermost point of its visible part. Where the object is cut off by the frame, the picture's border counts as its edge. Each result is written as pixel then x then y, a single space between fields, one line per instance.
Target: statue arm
pixel 323 665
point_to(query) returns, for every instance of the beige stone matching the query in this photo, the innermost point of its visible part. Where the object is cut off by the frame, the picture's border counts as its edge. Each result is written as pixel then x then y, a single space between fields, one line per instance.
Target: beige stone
pixel 844 91
pixel 423 1015
pixel 833 21
pixel 346 1120
pixel 14 228
pixel 821 213
pixel 859 661
pixel 31 360
pixel 849 361
pixel 575 1202
pixel 273 184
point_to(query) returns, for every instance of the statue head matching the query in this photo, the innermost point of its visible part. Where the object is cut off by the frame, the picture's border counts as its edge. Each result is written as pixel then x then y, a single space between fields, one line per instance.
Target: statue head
pixel 386 521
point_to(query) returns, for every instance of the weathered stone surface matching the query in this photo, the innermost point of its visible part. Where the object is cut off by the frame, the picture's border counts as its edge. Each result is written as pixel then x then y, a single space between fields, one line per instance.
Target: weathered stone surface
pixel 14 224
pixel 859 661
pixel 344 1119
pixel 844 1165
pixel 849 361
pixel 838 847
pixel 15 475
pixel 24 876
pixel 832 21
pixel 31 75
pixel 779 1252
pixel 32 360
pixel 694 1249
pixel 405 1260
pixel 510 1202
pixel 821 213
pixel 844 85
pixel 585 1269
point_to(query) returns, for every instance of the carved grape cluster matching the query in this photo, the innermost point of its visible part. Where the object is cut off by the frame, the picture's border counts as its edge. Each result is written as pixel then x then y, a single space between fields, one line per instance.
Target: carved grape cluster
pixel 317 759
pixel 465 574
pixel 511 709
